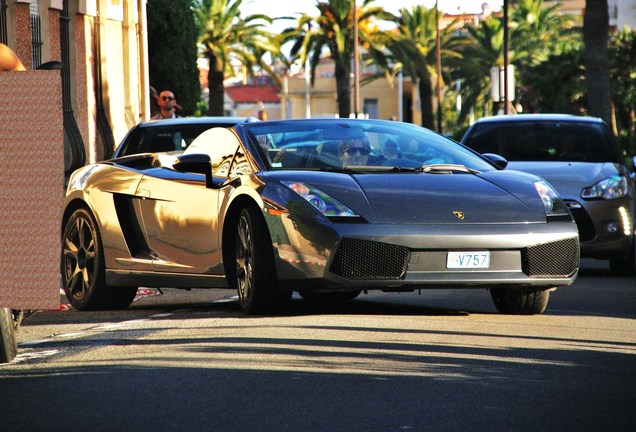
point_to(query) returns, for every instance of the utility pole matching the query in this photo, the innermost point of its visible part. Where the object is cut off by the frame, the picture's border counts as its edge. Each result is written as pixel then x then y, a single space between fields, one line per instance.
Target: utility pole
pixel 308 83
pixel 307 86
pixel 438 70
pixel 506 59
pixel 356 64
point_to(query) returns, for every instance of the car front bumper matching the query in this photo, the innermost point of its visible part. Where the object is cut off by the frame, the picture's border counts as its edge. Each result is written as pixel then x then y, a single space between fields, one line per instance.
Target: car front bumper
pixel 606 227
pixel 386 257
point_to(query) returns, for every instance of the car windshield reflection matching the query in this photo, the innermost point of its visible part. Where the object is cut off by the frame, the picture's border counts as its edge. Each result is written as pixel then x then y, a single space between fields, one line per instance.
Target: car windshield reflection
pixel 361 146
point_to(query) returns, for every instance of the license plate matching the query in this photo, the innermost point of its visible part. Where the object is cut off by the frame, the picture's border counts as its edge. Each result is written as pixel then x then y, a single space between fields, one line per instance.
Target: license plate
pixel 468 260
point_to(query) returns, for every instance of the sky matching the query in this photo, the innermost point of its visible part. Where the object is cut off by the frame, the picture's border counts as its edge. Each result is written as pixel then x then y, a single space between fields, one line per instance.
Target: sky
pixel 277 8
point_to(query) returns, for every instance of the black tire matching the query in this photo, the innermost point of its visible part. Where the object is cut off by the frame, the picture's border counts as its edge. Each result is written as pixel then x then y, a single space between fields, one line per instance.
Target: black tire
pixel 256 283
pixel 520 302
pixel 8 344
pixel 624 265
pixel 83 270
pixel 324 297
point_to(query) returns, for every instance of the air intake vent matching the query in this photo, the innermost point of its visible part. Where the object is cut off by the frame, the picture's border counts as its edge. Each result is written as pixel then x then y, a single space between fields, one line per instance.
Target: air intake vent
pixel 557 259
pixel 361 259
pixel 139 162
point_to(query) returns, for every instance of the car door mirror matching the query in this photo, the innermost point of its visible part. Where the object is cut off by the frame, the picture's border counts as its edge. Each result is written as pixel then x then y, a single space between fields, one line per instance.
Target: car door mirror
pixel 499 161
pixel 202 164
pixel 195 163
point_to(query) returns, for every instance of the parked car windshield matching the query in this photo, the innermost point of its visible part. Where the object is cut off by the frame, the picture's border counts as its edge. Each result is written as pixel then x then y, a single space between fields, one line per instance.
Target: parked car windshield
pixel 543 141
pixel 367 145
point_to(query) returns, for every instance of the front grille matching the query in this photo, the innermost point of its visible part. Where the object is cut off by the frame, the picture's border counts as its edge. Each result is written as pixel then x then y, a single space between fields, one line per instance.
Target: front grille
pixel 362 259
pixel 556 259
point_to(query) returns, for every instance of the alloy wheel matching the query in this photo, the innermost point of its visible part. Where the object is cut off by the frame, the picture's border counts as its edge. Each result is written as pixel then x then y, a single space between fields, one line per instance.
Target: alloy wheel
pixel 244 260
pixel 79 256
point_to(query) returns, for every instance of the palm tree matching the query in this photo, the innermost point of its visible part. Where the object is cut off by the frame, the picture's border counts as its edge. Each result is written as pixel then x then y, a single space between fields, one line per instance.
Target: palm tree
pixel 537 33
pixel 226 35
pixel 332 31
pixel 597 77
pixel 556 84
pixel 415 47
pixel 484 51
pixel 622 57
pixel 551 65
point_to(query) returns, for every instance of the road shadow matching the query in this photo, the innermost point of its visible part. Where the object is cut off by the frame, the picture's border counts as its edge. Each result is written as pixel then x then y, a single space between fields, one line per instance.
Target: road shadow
pixel 289 382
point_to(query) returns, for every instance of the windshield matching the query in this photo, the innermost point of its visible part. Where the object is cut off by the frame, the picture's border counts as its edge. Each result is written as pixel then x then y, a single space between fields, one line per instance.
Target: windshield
pixel 360 145
pixel 543 141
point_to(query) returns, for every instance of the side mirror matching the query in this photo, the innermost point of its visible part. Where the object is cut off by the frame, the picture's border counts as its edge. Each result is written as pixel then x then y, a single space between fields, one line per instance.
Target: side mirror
pixel 498 160
pixel 195 163
pixel 202 164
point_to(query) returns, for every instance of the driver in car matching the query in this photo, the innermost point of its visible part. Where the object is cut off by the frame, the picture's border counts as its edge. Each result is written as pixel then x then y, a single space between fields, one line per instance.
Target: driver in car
pixel 354 151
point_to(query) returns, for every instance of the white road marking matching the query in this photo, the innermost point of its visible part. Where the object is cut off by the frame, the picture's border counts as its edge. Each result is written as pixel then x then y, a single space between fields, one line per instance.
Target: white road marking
pixel 32 354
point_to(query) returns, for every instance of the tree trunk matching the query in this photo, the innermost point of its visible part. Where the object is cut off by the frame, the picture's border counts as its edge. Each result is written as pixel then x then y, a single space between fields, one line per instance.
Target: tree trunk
pixel 343 89
pixel 597 75
pixel 426 101
pixel 215 87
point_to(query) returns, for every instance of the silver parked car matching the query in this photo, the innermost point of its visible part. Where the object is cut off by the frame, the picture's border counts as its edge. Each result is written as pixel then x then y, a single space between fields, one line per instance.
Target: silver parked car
pixel 580 158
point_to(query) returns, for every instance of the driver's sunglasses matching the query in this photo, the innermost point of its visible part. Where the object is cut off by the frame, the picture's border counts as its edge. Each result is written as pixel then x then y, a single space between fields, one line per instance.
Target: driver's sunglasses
pixel 353 150
pixel 167 98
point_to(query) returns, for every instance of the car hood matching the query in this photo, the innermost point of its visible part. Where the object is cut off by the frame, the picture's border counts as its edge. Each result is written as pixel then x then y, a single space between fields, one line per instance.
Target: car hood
pixel 568 178
pixel 432 198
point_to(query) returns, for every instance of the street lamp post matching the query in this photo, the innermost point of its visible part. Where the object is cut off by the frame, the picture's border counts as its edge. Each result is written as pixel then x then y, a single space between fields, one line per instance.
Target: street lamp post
pixel 438 69
pixel 356 65
pixel 506 59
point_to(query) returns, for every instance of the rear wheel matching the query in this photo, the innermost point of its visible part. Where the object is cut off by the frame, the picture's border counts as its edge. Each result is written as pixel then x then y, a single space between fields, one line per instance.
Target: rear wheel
pixel 8 344
pixel 258 290
pixel 83 270
pixel 520 302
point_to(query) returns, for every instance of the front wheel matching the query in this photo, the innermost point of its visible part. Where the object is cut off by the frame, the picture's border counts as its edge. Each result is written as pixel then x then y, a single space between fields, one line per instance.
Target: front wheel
pixel 520 302
pixel 83 269
pixel 625 265
pixel 8 344
pixel 258 290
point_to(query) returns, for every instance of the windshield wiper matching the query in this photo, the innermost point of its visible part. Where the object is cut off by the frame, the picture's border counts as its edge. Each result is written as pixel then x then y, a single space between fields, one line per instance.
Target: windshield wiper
pixel 338 170
pixel 447 169
pixel 403 169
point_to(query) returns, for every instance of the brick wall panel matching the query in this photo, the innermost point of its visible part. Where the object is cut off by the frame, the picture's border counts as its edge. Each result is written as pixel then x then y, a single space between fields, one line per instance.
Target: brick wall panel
pixel 31 188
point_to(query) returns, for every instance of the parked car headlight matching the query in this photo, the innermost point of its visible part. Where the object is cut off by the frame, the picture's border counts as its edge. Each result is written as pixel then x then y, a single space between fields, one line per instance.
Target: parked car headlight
pixel 610 188
pixel 329 206
pixel 552 203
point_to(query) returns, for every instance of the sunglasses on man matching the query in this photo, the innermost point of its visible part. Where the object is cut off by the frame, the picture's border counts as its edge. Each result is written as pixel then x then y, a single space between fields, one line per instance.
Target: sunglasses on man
pixel 167 98
pixel 361 150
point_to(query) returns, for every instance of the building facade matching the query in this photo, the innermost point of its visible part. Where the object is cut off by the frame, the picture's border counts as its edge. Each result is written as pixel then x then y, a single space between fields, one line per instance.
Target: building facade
pixel 101 45
pixel 379 98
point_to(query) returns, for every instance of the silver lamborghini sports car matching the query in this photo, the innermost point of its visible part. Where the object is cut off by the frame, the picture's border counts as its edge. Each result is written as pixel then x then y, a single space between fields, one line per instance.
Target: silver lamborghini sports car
pixel 325 207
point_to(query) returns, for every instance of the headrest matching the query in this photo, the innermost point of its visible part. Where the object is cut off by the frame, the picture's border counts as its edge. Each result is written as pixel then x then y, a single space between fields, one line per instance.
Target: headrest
pixel 211 139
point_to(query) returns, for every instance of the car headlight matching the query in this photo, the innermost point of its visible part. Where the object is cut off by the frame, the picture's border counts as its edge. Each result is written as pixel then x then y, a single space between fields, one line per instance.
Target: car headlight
pixel 327 205
pixel 610 188
pixel 551 200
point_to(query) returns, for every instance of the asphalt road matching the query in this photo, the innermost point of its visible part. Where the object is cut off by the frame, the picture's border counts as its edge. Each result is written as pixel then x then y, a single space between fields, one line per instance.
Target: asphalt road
pixel 440 361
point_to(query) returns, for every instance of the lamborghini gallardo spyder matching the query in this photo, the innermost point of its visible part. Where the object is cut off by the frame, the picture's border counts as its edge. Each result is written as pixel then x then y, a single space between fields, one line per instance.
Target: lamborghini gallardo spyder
pixel 329 208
